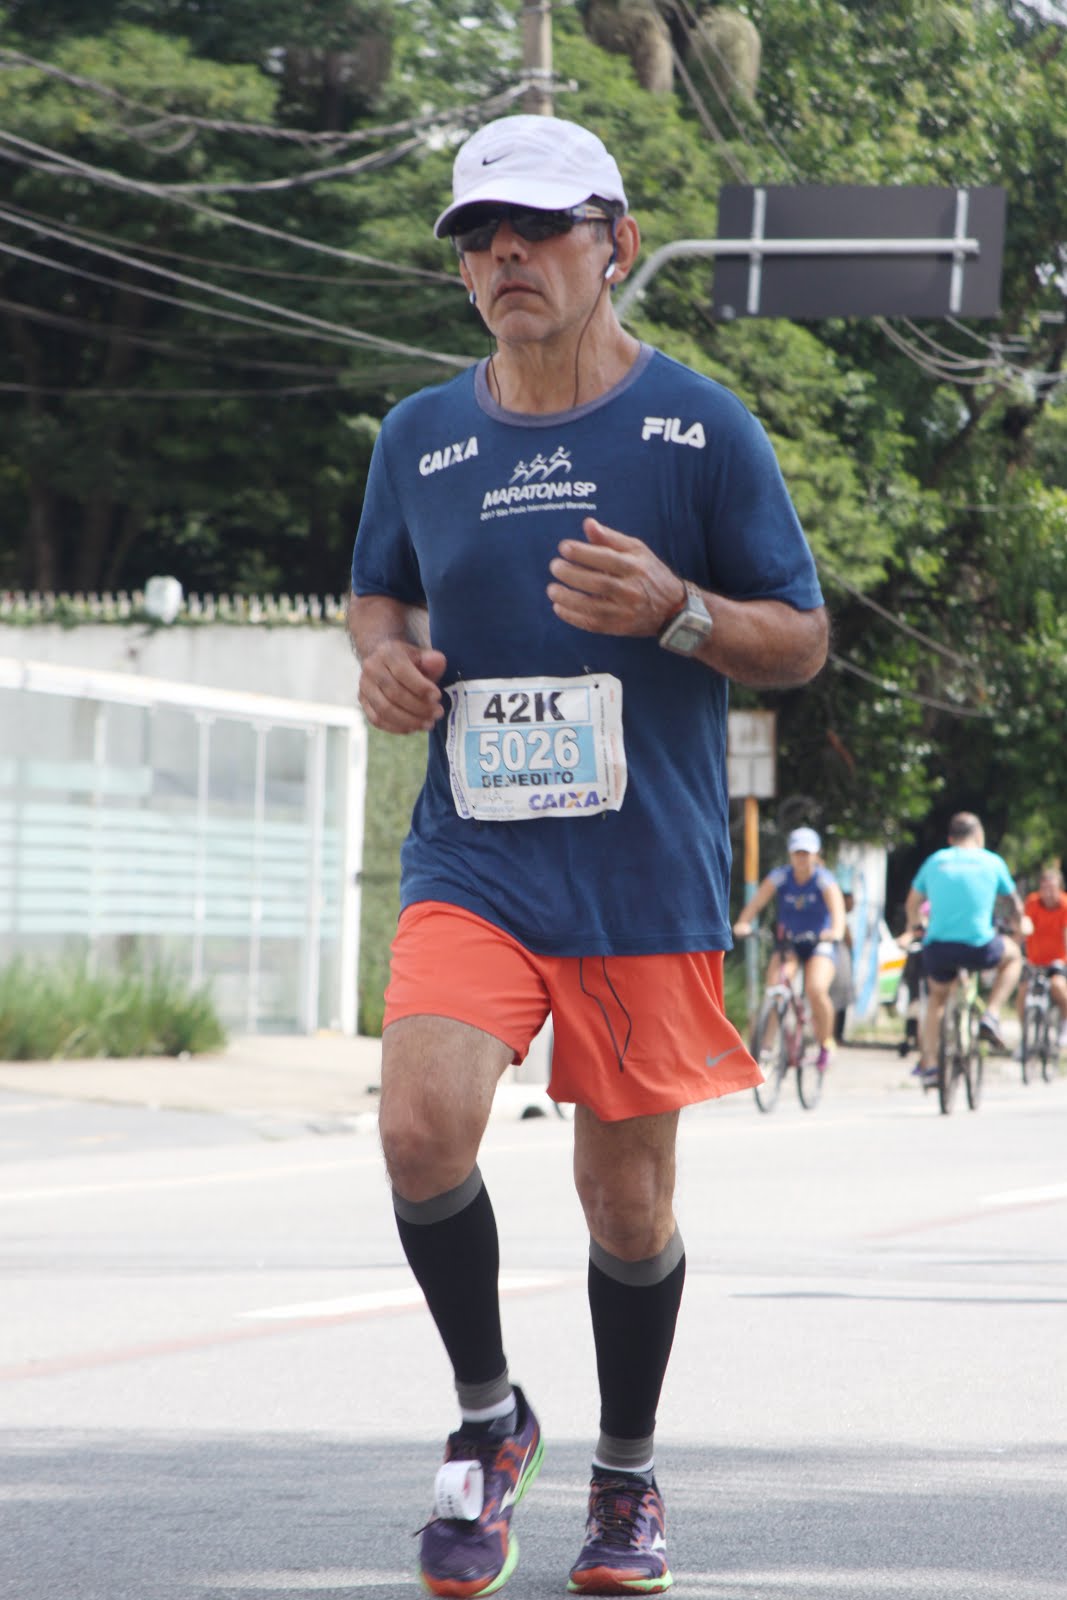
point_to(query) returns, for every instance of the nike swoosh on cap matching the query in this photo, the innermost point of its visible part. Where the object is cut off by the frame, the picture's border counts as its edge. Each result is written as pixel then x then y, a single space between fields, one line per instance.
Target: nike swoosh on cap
pixel 491 161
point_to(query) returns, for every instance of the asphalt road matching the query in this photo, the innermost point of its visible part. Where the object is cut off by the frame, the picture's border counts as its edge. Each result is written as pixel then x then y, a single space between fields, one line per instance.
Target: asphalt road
pixel 216 1379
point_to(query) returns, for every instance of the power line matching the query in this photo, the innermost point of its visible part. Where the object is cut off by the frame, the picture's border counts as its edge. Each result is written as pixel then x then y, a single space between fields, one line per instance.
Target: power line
pixel 318 325
pixel 898 622
pixel 267 392
pixel 907 694
pixel 707 119
pixel 344 169
pixel 121 335
pixel 102 176
pixel 305 136
pixel 245 268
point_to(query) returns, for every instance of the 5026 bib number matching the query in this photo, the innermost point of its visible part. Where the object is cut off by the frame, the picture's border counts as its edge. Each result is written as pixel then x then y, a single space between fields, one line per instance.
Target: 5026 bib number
pixel 525 748
pixel 535 750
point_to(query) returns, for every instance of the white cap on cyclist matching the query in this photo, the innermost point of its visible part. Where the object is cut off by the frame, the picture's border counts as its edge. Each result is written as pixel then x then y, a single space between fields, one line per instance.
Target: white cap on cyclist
pixel 805 839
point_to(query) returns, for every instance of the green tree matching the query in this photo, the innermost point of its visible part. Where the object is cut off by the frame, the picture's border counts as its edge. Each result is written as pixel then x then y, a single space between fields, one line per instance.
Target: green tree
pixel 146 424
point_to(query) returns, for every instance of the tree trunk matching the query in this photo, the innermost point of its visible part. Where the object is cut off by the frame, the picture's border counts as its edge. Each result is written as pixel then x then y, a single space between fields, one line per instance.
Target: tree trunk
pixel 99 521
pixel 40 559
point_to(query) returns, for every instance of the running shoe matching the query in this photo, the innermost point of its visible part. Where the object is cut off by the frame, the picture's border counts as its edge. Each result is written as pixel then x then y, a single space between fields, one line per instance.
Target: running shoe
pixel 822 1060
pixel 463 1558
pixel 989 1028
pixel 625 1549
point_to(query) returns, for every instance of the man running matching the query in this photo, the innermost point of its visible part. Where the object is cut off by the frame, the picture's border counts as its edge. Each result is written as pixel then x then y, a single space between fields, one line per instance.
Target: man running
pixel 564 555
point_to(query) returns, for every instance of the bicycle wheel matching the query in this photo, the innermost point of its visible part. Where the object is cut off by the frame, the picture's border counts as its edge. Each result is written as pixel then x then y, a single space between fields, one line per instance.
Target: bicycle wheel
pixel 809 1078
pixel 973 1058
pixel 1031 1040
pixel 949 1063
pixel 1050 1045
pixel 771 1050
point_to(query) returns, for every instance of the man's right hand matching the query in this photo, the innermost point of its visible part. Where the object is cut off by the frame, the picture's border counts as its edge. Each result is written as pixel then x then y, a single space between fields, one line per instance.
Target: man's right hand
pixel 742 929
pixel 398 687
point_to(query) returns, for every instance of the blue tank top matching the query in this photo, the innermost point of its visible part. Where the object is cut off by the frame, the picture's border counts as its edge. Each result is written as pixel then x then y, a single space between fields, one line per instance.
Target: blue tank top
pixel 803 914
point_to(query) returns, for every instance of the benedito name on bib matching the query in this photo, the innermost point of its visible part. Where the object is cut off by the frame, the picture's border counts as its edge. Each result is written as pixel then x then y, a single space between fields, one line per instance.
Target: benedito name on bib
pixel 523 748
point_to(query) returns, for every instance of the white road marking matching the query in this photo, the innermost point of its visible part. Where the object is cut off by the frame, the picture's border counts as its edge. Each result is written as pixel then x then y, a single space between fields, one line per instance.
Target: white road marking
pixel 1026 1197
pixel 80 1191
pixel 72 1191
pixel 821 1581
pixel 333 1579
pixel 28 1106
pixel 386 1300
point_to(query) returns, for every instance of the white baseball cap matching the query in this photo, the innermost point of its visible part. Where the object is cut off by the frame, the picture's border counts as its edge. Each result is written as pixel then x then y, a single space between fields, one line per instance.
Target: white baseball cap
pixel 541 162
pixel 805 839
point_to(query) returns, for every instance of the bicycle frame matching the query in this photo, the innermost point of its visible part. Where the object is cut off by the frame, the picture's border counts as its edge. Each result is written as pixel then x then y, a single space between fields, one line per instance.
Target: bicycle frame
pixel 782 1039
pixel 1040 1026
pixel 961 1053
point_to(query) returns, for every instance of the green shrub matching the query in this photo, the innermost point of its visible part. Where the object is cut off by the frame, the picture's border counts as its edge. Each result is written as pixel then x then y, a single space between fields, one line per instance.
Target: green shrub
pixel 63 1011
pixel 735 991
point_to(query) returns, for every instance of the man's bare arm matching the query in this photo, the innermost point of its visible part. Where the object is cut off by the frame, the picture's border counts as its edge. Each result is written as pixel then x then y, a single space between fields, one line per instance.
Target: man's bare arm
pixel 373 618
pixel 765 644
pixel 400 672
pixel 613 583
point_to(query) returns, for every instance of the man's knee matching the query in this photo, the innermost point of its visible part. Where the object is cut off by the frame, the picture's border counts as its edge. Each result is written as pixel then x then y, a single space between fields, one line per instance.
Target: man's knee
pixel 431 1119
pixel 624 1173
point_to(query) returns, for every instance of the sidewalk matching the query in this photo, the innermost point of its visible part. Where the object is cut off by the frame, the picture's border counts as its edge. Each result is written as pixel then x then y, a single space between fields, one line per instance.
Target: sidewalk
pixel 325 1080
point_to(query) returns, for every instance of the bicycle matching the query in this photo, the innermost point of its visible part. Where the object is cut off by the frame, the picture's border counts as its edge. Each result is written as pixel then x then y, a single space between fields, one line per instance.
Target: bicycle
pixel 783 1038
pixel 1041 1027
pixel 961 1050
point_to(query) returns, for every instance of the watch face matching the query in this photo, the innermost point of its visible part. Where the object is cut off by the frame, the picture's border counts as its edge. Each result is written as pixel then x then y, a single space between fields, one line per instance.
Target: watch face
pixel 686 638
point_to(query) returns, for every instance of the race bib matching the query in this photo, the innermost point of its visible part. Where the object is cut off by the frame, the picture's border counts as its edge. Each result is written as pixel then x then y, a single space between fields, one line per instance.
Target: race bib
pixel 523 748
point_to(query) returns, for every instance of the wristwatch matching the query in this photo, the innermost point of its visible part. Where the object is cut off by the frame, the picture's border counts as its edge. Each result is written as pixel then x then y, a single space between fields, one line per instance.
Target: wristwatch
pixel 686 631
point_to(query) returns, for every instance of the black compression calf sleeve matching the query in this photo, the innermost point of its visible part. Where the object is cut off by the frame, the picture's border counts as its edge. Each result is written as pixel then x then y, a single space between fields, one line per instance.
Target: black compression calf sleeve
pixel 452 1248
pixel 634 1307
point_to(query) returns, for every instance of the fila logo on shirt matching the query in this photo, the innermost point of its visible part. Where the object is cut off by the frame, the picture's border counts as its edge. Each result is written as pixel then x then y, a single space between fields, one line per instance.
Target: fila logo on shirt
pixel 437 460
pixel 670 430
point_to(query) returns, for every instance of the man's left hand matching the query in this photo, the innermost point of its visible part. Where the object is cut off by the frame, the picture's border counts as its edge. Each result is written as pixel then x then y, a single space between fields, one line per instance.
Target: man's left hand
pixel 613 584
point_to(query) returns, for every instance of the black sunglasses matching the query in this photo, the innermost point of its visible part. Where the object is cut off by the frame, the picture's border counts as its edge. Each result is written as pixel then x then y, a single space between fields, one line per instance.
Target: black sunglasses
pixel 475 229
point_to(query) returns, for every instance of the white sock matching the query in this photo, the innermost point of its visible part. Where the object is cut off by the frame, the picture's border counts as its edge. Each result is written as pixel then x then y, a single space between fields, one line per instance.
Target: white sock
pixel 503 1408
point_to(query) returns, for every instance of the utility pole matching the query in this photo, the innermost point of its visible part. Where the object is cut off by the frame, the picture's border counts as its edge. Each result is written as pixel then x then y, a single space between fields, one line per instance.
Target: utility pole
pixel 537 57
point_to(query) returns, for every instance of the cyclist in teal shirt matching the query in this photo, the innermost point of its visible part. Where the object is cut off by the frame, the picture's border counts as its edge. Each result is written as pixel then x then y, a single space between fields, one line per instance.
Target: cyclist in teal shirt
pixel 962 884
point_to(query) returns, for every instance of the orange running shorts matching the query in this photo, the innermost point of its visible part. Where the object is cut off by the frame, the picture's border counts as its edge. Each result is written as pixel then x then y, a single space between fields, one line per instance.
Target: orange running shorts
pixel 632 1035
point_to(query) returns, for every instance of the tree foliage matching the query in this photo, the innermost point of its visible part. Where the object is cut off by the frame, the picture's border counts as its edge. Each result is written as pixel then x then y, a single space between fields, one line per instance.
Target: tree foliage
pixel 154 431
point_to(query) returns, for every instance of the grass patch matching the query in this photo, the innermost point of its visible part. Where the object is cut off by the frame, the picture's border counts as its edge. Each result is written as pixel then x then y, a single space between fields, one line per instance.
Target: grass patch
pixel 63 1012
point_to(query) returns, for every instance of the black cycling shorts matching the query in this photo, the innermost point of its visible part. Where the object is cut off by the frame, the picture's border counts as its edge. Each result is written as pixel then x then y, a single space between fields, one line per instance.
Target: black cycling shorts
pixel 942 958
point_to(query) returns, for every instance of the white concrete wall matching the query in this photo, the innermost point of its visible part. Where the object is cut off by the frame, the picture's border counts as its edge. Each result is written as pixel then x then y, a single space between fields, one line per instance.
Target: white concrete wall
pixel 301 661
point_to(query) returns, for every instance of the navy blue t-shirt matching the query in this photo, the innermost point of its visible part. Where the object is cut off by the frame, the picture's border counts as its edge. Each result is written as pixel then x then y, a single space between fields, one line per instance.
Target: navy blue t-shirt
pixel 466 505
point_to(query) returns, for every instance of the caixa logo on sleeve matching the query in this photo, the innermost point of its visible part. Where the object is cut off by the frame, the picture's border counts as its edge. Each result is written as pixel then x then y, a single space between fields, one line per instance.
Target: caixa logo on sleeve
pixel 449 456
pixel 670 430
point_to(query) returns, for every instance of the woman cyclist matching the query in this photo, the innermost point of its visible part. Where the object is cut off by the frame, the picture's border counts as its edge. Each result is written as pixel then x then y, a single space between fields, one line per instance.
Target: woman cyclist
pixel 811 920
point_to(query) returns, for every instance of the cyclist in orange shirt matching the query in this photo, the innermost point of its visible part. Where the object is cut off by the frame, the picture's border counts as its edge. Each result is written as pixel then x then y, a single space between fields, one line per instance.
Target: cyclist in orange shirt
pixel 1047 945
